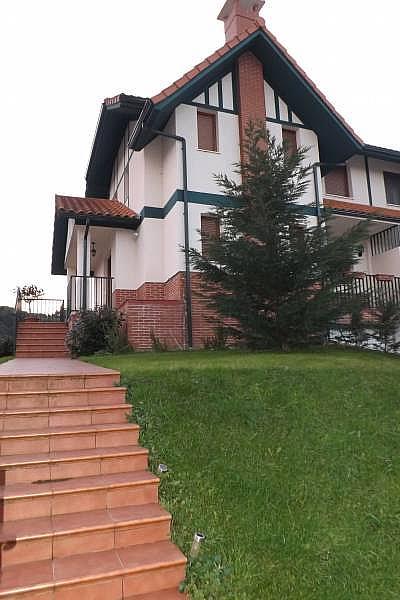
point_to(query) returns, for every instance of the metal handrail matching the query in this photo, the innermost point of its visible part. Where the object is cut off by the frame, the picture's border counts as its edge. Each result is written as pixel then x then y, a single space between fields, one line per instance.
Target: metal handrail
pixel 88 293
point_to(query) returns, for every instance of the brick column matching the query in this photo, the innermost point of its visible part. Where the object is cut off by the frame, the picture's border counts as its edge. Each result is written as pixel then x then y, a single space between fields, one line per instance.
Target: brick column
pixel 251 94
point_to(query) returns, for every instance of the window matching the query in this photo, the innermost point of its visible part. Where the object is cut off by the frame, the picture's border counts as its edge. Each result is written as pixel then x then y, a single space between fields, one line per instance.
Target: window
pixel 289 138
pixel 337 183
pixel 210 230
pixel 207 131
pixel 392 187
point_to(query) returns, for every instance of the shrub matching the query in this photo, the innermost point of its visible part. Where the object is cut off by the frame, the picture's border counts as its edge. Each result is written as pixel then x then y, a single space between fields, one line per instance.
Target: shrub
pixel 157 344
pixel 385 327
pixel 97 331
pixel 6 346
pixel 218 341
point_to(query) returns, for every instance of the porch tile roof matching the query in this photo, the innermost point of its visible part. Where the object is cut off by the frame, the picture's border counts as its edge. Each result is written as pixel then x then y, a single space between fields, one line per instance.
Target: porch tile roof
pixel 362 209
pixel 93 207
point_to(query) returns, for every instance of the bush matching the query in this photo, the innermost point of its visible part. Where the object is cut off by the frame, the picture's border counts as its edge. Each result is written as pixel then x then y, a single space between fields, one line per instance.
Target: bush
pixel 97 331
pixel 6 346
pixel 386 326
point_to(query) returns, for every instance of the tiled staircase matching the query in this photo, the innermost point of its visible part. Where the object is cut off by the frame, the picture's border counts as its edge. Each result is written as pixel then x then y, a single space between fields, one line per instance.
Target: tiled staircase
pixel 41 339
pixel 79 509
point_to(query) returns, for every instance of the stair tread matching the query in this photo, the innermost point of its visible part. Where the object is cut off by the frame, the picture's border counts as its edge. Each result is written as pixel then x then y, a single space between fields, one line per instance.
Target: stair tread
pixel 83 521
pixel 64 409
pixel 67 391
pixel 66 430
pixel 89 567
pixel 68 455
pixel 165 595
pixel 74 484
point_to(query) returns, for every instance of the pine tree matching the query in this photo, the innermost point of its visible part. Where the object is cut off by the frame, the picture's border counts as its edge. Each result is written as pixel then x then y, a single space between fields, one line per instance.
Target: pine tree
pixel 270 271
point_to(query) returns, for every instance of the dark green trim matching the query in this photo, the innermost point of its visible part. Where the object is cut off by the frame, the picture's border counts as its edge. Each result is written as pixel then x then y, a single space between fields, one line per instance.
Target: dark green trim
pixel 368 180
pixel 202 199
pixel 211 107
pixel 220 94
pixel 290 115
pixel 207 96
pixel 291 123
pixel 277 107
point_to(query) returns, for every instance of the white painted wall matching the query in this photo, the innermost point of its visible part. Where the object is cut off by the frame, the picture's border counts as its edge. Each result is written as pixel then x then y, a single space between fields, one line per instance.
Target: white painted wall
pixel 388 263
pixel 202 165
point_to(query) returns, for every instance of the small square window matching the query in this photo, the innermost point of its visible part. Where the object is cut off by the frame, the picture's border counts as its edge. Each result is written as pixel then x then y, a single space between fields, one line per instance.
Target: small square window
pixel 337 182
pixel 207 131
pixel 392 187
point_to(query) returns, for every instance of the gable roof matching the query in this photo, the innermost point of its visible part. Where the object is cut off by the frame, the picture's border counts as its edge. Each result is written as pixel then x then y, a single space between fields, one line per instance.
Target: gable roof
pixel 337 140
pixel 100 212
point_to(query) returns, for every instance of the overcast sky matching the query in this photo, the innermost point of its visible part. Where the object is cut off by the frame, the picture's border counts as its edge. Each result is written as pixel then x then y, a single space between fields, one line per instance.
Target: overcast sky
pixel 60 59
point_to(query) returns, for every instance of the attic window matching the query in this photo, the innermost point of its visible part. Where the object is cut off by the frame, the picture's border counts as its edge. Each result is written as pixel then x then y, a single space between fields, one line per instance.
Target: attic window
pixel 337 182
pixel 207 131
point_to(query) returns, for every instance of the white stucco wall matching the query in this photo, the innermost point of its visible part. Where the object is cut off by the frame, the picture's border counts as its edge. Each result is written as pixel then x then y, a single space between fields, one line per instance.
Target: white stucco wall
pixel 388 263
pixel 202 165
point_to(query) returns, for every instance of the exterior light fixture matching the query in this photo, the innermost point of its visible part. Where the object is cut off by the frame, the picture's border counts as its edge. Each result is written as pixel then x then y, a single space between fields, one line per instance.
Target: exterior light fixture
pixel 197 542
pixel 162 468
pixel 93 250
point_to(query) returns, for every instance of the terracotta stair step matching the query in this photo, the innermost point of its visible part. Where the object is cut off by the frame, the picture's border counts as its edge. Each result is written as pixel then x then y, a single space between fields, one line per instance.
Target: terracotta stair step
pixel 33 382
pixel 166 595
pixel 41 354
pixel 28 468
pixel 68 438
pixel 44 538
pixel 11 420
pixel 30 500
pixel 62 398
pixel 38 344
pixel 108 575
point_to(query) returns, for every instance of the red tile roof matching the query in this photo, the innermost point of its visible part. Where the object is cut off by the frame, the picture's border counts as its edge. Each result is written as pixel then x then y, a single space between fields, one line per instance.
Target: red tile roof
pixel 93 206
pixel 226 48
pixel 366 209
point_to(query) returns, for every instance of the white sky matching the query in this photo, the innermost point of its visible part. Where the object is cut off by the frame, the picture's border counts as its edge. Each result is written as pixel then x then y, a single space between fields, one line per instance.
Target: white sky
pixel 60 58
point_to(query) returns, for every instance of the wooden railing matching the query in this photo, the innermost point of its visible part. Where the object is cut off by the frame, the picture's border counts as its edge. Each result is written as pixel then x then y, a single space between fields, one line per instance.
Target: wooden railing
pixel 88 293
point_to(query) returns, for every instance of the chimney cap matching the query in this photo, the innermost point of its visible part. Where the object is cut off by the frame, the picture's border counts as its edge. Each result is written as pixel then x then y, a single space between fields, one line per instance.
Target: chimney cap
pixel 248 7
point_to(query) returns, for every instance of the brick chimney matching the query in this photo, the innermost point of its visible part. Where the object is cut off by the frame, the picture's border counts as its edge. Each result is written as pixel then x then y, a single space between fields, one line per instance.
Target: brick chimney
pixel 238 15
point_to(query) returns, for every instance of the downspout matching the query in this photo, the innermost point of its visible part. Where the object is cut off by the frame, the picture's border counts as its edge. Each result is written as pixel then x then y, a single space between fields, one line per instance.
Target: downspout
pixel 139 127
pixel 188 284
pixel 84 286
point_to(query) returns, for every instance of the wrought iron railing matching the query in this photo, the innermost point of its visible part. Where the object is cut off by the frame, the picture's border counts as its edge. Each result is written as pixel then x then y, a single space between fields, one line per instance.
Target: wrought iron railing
pixel 88 293
pixel 373 290
pixel 39 309
pixel 385 240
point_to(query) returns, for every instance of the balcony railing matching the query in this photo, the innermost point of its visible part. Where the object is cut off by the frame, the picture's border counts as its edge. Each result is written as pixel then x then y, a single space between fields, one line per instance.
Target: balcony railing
pixel 88 293
pixel 374 290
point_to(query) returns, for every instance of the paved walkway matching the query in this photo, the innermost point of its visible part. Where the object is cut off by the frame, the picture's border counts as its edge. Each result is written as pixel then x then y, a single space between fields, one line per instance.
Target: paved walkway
pixel 50 366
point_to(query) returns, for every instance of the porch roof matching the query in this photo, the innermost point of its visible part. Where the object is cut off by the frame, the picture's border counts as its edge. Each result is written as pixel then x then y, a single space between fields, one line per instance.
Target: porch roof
pixel 99 211
pixel 354 209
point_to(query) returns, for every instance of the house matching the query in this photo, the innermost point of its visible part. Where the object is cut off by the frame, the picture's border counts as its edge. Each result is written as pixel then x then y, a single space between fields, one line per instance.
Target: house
pixel 150 185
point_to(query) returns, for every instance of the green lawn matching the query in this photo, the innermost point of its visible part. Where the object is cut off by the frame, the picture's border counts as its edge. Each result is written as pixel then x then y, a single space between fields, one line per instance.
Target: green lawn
pixel 289 463
pixel 5 358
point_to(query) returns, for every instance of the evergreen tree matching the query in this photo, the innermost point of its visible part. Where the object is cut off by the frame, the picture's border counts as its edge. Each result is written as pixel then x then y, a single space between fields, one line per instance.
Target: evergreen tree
pixel 270 271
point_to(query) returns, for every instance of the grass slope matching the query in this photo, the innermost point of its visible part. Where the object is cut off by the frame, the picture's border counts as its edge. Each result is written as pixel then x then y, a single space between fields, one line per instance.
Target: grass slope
pixel 289 463
pixel 5 359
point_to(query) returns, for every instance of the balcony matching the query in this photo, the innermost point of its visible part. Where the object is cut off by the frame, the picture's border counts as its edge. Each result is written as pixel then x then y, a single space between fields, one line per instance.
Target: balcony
pixel 374 290
pixel 88 293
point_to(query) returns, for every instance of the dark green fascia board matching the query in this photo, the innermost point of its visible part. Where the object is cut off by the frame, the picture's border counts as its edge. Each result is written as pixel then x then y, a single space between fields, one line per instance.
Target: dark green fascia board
pixel 381 153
